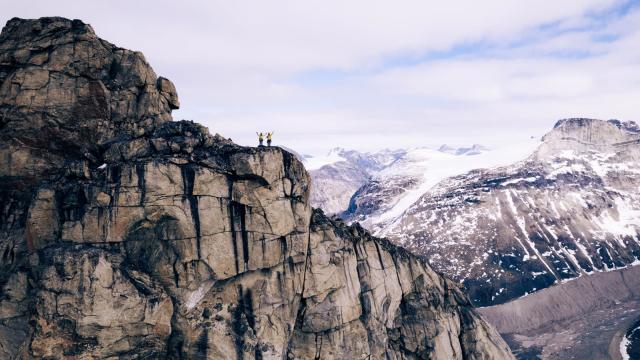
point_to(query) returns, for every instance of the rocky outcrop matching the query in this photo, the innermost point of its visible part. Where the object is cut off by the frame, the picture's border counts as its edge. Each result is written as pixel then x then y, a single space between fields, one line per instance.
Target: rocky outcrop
pixel 360 287
pixel 128 235
pixel 65 92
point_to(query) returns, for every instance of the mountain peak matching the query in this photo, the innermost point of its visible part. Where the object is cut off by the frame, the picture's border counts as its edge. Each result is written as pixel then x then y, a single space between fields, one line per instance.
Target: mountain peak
pixel 542 220
pixel 582 133
pixel 572 123
pixel 336 151
pixel 630 126
pixel 72 92
pixel 46 25
pixel 445 148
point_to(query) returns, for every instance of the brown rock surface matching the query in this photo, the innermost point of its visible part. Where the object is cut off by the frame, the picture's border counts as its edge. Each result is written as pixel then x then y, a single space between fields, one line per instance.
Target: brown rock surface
pixel 126 235
pixel 64 88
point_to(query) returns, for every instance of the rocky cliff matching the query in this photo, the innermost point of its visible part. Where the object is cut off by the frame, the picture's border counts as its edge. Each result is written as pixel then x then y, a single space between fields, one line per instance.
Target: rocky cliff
pixel 124 234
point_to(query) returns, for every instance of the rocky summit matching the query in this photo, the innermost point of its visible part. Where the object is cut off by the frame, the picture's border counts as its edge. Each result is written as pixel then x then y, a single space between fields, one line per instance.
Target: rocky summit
pixel 126 235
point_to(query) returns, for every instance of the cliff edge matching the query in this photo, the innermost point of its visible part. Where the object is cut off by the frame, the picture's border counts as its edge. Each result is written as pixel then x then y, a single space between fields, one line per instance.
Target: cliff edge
pixel 124 234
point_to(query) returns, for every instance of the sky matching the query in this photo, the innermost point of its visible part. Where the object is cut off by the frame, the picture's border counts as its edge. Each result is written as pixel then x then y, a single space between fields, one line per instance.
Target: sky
pixel 372 74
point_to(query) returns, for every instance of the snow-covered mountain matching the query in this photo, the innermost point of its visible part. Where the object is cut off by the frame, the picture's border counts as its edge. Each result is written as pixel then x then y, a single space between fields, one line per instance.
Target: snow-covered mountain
pixel 391 191
pixel 571 208
pixel 386 175
pixel 338 175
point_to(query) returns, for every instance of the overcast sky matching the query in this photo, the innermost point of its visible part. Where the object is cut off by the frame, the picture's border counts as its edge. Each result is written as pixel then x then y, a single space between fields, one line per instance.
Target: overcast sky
pixel 374 74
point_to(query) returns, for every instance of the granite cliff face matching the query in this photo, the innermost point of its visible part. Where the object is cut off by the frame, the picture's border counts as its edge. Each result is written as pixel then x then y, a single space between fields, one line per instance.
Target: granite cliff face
pixel 75 91
pixel 124 234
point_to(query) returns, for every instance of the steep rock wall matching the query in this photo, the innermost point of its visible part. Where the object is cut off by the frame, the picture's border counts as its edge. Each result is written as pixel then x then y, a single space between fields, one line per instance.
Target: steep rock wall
pixel 159 240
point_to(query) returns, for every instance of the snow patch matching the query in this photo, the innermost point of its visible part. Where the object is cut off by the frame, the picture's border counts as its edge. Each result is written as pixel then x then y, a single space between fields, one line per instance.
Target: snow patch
pixel 196 296
pixel 515 181
pixel 623 348
pixel 316 162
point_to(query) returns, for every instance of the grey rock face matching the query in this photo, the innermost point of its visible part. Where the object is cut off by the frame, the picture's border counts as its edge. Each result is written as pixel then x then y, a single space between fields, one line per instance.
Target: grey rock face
pixel 569 209
pixel 385 295
pixel 64 88
pixel 333 185
pixel 159 240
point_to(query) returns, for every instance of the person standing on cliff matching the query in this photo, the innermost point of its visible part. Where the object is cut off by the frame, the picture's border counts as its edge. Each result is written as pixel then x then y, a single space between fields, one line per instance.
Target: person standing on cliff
pixel 269 137
pixel 260 138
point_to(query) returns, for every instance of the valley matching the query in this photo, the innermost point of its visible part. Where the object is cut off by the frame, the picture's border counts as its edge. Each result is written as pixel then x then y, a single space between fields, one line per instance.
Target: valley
pixel 585 318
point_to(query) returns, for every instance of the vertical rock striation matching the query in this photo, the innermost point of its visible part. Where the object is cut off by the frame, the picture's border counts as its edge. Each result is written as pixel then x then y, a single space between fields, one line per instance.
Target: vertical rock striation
pixel 124 234
pixel 363 297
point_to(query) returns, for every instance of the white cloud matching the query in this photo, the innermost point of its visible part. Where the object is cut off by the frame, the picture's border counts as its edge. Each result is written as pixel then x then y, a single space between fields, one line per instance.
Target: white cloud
pixel 238 65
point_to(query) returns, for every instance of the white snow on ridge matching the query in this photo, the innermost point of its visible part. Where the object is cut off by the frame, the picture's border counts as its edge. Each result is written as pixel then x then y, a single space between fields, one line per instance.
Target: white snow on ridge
pixel 624 224
pixel 515 181
pixel 434 166
pixel 623 348
pixel 316 162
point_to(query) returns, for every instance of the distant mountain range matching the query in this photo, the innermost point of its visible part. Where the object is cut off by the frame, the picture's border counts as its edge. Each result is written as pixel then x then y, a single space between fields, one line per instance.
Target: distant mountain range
pixel 568 208
pixel 338 175
pixel 341 173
